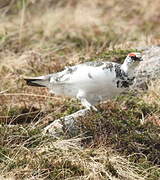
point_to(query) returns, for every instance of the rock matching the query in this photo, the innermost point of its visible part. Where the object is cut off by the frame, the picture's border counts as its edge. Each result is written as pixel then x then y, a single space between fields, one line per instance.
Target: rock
pixel 149 69
pixel 65 124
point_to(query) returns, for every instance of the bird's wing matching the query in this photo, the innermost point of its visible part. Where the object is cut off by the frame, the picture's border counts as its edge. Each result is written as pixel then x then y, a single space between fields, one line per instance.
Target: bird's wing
pixel 63 76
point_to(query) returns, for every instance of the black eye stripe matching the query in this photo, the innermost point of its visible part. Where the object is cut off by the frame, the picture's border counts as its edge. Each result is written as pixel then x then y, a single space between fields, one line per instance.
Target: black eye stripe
pixel 135 58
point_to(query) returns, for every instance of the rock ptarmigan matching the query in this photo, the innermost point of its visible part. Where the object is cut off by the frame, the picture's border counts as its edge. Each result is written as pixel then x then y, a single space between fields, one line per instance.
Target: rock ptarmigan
pixel 91 82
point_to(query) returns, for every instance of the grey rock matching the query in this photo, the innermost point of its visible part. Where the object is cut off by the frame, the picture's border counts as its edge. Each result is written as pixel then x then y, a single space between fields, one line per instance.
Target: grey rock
pixel 149 69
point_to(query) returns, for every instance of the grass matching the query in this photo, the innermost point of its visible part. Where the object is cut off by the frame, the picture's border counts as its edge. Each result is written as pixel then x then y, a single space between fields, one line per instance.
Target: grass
pixel 121 141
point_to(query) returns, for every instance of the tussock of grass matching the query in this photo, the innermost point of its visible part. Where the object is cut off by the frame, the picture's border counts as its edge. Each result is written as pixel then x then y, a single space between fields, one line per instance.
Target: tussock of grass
pixel 30 154
pixel 123 128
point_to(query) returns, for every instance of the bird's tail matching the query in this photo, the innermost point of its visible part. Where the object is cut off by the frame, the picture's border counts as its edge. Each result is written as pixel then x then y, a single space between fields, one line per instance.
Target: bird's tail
pixel 37 81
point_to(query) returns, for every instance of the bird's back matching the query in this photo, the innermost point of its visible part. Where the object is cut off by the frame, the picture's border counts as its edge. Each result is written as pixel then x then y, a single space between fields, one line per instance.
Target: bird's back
pixel 91 77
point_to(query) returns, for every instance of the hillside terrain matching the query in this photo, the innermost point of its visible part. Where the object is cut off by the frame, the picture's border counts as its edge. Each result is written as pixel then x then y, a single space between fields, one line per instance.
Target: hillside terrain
pixel 119 142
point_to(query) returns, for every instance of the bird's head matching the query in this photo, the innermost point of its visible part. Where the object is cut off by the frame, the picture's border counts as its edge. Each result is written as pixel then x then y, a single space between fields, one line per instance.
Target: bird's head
pixel 134 58
pixel 132 61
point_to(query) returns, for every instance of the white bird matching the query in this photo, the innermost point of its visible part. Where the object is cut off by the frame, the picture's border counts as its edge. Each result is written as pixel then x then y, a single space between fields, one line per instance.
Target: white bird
pixel 91 82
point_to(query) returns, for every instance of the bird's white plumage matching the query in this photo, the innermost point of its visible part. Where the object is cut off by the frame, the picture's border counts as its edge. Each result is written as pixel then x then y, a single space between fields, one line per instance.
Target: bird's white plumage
pixel 91 82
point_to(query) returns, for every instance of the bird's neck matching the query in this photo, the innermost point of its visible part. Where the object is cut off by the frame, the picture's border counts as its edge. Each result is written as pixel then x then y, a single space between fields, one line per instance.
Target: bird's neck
pixel 128 70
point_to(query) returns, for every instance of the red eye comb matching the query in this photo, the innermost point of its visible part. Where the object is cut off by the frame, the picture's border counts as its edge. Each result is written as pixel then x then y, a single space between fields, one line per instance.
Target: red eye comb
pixel 131 54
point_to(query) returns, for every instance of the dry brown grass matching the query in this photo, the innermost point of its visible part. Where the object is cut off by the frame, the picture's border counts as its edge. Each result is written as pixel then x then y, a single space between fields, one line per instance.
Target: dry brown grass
pixel 40 37
pixel 153 93
pixel 32 155
pixel 153 97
